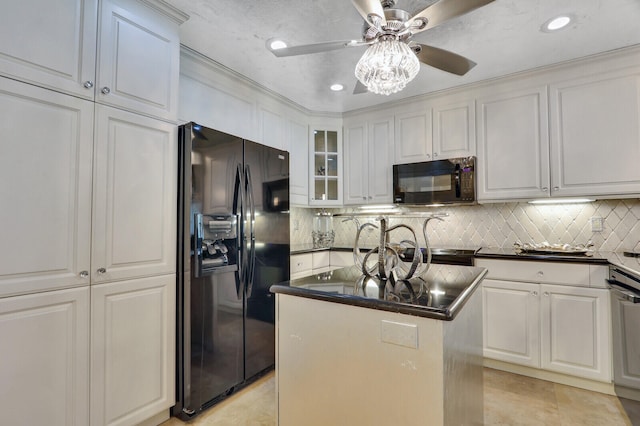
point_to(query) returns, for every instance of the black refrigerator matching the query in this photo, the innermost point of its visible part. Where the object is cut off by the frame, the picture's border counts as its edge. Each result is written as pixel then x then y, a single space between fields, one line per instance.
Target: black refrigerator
pixel 233 244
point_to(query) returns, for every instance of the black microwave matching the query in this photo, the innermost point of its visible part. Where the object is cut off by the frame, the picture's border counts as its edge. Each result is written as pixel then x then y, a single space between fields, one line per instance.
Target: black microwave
pixel 449 181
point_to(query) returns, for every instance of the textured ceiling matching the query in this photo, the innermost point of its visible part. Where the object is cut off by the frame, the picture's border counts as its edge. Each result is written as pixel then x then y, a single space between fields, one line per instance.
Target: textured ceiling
pixel 503 37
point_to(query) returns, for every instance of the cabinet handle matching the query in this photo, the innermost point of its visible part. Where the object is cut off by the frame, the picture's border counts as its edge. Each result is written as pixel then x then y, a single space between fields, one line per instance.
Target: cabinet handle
pixel 534 293
pixel 370 197
pixel 364 198
pixel 84 274
pixel 101 271
pixel 545 188
pixel 435 155
pixel 88 84
pixel 556 188
pixel 105 90
pixel 428 156
pixel 546 294
pixel 540 273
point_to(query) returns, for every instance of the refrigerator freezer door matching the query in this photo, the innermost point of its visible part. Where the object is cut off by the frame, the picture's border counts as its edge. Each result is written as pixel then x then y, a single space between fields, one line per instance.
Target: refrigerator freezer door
pixel 217 351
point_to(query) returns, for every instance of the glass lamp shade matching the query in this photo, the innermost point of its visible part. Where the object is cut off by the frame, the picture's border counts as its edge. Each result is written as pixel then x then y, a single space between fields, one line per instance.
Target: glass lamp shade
pixel 387 66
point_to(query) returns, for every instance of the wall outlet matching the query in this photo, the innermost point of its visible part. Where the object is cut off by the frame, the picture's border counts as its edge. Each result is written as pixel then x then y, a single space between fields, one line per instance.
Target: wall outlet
pixel 597 224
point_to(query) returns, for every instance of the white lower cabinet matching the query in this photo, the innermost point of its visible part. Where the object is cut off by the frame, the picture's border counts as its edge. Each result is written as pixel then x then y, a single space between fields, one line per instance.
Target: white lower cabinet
pixel 511 322
pixel 44 363
pixel 132 350
pixel 556 327
pixel 575 336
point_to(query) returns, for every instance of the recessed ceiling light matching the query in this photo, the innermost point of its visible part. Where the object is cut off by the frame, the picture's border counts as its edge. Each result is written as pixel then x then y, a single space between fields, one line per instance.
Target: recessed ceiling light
pixel 557 23
pixel 337 87
pixel 277 44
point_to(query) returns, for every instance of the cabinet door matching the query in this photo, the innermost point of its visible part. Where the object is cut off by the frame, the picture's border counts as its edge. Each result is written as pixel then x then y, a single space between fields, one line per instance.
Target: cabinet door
pixel 298 159
pixel 356 167
pixel 511 330
pixel 272 127
pixel 454 130
pixel 50 44
pixel 380 164
pixel 413 136
pixel 132 350
pixel 44 373
pixel 134 217
pixel 45 188
pixel 326 166
pixel 139 59
pixel 575 331
pixel 595 135
pixel 513 145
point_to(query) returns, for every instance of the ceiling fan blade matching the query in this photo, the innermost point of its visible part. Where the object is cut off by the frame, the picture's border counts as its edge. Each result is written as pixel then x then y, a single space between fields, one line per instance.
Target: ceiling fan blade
pixel 360 88
pixel 442 59
pixel 306 49
pixel 442 11
pixel 372 11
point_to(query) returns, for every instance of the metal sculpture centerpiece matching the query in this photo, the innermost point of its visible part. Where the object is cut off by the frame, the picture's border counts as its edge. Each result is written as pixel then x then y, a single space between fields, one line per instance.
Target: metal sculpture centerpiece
pixel 395 278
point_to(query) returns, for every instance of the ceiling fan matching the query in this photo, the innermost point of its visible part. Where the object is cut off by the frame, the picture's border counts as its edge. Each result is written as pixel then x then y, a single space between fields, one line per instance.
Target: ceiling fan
pixel 392 58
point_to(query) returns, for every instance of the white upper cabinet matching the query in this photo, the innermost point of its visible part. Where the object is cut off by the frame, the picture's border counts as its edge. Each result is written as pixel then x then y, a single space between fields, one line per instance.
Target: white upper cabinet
pixel 437 129
pixel 368 156
pixel 134 196
pixel 298 141
pixel 595 135
pixel 326 165
pixel 273 128
pixel 45 188
pixel 138 58
pixel 124 53
pixel 50 44
pixel 413 135
pixel 513 145
pixel 453 129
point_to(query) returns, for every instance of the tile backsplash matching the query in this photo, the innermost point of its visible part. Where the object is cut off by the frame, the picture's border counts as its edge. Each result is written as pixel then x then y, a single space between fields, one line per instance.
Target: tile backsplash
pixel 498 225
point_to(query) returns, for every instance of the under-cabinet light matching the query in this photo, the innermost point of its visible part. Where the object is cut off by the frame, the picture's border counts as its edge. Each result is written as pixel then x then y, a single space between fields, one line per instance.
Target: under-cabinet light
pixel 562 201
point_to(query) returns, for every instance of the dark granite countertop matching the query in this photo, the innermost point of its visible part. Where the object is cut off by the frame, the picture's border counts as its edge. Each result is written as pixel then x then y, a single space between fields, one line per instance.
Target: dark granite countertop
pixel 439 293
pixel 511 254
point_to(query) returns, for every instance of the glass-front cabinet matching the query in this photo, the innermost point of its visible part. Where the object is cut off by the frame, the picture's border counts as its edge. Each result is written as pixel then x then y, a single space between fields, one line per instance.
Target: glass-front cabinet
pixel 326 166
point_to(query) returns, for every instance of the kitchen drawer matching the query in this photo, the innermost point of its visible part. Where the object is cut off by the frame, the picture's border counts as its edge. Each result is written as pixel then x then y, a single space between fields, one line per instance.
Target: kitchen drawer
pixel 301 263
pixel 341 258
pixel 320 259
pixel 575 274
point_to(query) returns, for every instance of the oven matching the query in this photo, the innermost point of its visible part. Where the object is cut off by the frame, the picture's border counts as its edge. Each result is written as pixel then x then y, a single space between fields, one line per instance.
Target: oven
pixel 625 316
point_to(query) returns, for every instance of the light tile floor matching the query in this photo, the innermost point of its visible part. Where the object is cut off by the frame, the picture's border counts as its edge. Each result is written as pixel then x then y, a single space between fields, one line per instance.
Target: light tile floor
pixel 509 399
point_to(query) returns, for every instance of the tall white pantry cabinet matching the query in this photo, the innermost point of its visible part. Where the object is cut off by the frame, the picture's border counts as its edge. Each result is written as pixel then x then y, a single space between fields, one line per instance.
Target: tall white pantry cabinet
pixel 88 98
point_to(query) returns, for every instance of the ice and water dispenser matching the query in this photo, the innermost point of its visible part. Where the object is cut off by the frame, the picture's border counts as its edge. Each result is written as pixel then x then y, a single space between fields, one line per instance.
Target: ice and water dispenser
pixel 215 243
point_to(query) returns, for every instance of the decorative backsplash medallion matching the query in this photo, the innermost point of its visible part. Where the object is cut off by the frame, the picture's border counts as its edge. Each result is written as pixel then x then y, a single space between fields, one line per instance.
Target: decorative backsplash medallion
pixel 502 224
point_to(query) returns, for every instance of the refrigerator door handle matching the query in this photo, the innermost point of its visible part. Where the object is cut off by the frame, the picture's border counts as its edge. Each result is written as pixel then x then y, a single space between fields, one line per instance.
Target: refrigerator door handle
pixel 197 245
pixel 252 251
pixel 238 211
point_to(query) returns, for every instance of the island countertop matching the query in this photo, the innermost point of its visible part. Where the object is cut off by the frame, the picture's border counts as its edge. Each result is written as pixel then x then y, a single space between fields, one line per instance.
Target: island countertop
pixel 440 293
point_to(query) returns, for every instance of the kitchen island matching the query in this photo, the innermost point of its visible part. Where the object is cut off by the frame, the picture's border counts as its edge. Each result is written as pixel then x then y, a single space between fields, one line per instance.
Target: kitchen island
pixel 349 353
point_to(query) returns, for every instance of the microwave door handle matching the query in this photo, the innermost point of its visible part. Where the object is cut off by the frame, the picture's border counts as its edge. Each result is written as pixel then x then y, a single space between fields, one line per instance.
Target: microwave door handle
pixel 458 178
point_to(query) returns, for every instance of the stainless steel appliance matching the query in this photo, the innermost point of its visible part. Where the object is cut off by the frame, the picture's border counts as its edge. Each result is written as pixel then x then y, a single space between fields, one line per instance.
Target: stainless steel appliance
pixel 449 181
pixel 625 312
pixel 233 244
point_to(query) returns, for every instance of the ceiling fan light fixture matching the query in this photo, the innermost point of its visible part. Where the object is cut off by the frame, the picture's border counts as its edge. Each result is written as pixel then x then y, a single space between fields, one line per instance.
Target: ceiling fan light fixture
pixel 336 87
pixel 387 66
